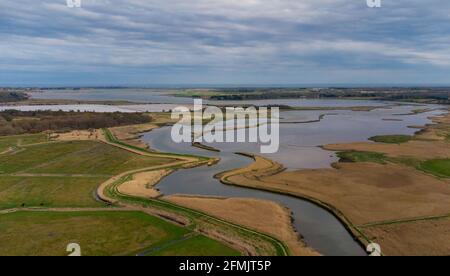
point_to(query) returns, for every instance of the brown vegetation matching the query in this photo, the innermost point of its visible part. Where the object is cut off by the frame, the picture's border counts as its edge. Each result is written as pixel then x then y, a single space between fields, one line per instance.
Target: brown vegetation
pixel 413 238
pixel 260 215
pixel 142 184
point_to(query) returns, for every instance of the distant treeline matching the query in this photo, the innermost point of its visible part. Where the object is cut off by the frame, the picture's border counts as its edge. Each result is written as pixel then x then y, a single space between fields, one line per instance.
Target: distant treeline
pixel 436 95
pixel 13 122
pixel 8 96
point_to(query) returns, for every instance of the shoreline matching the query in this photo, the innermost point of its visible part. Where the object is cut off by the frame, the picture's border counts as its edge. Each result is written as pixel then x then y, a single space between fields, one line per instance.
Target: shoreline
pixel 356 234
pixel 104 190
pixel 352 230
pixel 349 226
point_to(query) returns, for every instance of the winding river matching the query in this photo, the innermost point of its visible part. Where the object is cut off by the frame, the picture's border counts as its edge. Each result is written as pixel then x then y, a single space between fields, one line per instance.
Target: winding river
pixel 319 228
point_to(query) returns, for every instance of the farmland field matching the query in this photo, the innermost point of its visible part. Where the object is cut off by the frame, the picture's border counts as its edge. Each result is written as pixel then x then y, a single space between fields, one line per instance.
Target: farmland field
pixel 48 191
pixel 75 157
pixel 98 233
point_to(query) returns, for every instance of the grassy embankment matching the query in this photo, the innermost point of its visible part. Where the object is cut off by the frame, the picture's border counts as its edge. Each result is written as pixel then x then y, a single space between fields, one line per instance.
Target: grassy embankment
pixel 54 176
pixel 49 167
pixel 100 233
pixel 250 241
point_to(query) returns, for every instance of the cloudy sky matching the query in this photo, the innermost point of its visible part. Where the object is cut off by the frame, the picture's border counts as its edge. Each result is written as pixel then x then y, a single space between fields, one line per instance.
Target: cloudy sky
pixel 214 42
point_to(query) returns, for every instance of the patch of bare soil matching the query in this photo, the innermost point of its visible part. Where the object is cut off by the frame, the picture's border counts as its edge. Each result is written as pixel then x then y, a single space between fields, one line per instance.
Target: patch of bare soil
pixel 142 184
pixel 418 238
pixel 263 216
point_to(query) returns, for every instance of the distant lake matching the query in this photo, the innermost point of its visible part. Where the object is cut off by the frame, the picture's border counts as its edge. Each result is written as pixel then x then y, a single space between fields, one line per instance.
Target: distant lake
pixel 163 97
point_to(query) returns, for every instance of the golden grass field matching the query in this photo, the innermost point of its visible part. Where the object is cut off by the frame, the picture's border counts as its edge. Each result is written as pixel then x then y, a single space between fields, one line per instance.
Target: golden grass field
pixel 263 216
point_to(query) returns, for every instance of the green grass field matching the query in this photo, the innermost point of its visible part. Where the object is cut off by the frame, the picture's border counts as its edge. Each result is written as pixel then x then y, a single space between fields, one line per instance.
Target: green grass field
pixel 98 233
pixel 438 167
pixel 264 245
pixel 78 157
pixel 391 139
pixel 11 141
pixel 66 175
pixel 63 174
pixel 358 156
pixel 196 246
pixel 48 191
